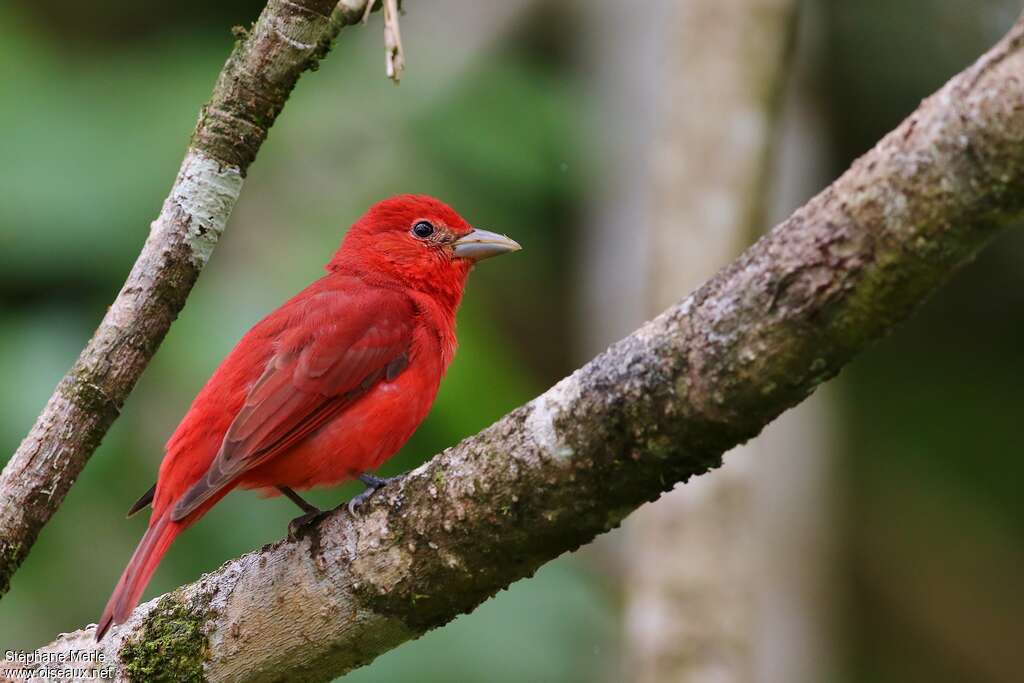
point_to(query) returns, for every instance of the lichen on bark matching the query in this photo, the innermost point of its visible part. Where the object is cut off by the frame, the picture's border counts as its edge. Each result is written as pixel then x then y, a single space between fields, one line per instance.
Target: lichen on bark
pixel 170 645
pixel 290 37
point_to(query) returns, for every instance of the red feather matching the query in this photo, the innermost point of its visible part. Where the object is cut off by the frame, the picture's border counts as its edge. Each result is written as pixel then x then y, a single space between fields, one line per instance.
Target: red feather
pixel 323 389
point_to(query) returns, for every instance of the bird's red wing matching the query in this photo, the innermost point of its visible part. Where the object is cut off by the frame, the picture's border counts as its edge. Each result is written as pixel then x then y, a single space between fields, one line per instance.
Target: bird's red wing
pixel 338 353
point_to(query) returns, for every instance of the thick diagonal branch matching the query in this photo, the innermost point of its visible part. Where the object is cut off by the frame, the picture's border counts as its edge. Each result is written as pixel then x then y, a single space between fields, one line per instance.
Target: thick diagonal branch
pixel 289 37
pixel 655 409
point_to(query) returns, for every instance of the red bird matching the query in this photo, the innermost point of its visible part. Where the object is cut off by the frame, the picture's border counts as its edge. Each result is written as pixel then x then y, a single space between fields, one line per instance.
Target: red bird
pixel 328 386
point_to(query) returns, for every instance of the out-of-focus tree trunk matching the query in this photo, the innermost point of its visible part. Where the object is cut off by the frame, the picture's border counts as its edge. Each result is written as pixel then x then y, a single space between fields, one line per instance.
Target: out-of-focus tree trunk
pixel 722 67
pixel 693 569
pixel 722 581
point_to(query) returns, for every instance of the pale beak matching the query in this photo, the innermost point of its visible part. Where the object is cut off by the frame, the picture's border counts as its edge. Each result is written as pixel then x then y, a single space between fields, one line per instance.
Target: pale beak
pixel 480 244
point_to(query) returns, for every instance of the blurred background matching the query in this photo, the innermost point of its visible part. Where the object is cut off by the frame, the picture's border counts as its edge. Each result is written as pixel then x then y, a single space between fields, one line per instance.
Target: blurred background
pixel 874 534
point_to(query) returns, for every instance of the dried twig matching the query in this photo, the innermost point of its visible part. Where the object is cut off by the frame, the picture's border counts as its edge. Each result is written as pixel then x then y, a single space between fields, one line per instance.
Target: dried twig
pixel 394 54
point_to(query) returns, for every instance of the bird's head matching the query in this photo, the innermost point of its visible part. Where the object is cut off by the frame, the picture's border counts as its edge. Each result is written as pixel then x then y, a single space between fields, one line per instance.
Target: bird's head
pixel 418 242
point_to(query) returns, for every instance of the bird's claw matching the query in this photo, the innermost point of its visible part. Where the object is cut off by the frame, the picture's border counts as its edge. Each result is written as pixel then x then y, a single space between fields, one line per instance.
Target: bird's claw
pixel 357 501
pixel 372 484
pixel 303 522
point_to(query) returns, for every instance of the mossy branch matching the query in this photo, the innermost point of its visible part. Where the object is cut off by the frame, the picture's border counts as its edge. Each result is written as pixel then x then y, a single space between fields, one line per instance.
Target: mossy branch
pixel 289 37
pixel 656 408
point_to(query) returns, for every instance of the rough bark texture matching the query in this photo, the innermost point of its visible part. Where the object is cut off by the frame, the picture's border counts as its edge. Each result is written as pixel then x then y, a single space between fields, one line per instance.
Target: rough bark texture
pixel 289 37
pixel 656 408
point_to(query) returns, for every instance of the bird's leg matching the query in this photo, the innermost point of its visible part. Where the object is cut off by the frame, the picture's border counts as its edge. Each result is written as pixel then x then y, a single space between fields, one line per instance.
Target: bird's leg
pixel 372 484
pixel 303 504
pixel 311 513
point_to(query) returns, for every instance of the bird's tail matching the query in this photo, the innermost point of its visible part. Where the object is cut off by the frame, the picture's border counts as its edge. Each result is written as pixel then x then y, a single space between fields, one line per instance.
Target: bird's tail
pixel 140 568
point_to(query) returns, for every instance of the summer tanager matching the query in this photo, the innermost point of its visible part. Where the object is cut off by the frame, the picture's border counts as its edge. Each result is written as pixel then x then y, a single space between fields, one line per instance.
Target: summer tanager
pixel 328 386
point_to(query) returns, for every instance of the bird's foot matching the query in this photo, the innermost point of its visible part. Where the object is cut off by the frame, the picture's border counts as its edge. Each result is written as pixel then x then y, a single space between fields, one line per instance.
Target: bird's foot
pixel 298 525
pixel 311 513
pixel 372 484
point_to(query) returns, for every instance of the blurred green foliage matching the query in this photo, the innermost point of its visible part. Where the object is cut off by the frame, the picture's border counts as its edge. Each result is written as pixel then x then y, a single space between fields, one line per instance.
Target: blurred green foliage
pixel 934 541
pixel 97 133
pixel 96 106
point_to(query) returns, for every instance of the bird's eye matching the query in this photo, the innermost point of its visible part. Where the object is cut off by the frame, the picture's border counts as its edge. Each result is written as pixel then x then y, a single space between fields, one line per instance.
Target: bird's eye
pixel 423 230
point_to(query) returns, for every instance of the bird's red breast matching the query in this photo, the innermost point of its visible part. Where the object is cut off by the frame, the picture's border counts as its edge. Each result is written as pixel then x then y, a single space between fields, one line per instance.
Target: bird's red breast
pixel 327 386
pixel 315 350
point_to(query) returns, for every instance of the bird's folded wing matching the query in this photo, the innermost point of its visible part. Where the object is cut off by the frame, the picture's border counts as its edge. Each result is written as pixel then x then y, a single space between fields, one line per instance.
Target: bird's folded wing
pixel 344 346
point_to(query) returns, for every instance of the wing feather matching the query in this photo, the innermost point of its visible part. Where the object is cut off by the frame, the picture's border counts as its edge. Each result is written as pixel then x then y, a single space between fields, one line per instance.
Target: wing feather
pixel 352 345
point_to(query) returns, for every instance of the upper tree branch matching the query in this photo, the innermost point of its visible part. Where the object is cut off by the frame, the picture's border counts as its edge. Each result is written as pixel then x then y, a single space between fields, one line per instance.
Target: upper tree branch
pixel 653 410
pixel 289 37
